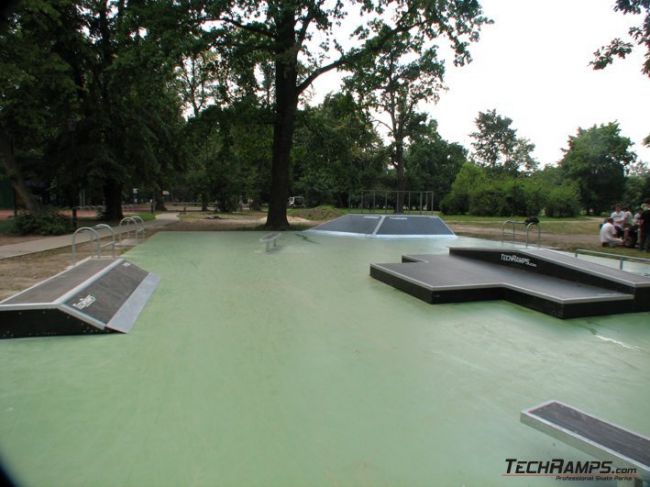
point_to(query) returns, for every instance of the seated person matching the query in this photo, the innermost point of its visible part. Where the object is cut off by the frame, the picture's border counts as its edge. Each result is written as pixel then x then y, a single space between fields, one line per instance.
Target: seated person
pixel 609 235
pixel 631 236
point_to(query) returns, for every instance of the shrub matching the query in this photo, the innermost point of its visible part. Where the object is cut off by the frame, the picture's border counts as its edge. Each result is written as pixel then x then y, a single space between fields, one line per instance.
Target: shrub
pixel 458 200
pixel 46 223
pixel 488 199
pixel 563 201
pixel 454 204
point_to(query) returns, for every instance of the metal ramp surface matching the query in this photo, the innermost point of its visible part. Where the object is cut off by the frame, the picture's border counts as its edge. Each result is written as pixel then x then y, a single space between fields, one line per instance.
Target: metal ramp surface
pixel 543 280
pixel 387 226
pixel 95 296
pixel 599 438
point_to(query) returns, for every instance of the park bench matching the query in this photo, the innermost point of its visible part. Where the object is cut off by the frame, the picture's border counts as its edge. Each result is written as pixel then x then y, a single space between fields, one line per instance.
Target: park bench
pixel 601 439
pixel 270 238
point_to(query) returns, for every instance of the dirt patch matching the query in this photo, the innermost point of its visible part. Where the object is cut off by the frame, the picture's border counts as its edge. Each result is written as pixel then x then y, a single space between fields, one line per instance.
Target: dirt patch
pixel 211 223
pixel 19 273
pixel 553 240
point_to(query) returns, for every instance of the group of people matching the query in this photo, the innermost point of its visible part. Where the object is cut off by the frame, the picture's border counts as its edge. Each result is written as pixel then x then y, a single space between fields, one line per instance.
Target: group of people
pixel 622 228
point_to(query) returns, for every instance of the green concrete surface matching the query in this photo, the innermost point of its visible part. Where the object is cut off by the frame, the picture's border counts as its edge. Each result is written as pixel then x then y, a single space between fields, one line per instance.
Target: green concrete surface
pixel 295 368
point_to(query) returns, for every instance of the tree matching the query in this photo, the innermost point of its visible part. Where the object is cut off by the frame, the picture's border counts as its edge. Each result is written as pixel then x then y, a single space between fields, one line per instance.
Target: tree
pixel 639 35
pixel 337 152
pixel 393 83
pixel 457 201
pixel 287 32
pixel 433 163
pixel 88 99
pixel 37 88
pixel 497 147
pixel 596 160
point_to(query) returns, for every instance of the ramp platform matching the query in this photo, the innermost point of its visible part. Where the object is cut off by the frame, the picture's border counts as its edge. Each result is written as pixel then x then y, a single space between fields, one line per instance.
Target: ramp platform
pixel 544 280
pixel 396 226
pixel 95 296
pixel 599 438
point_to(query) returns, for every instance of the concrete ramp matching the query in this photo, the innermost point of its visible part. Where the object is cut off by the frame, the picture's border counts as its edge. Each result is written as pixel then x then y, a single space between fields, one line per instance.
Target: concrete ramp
pixel 544 280
pixel 387 226
pixel 95 296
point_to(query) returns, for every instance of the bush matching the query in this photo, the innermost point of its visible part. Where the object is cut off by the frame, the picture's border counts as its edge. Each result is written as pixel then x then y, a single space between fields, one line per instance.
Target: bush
pixel 458 200
pixel 47 223
pixel 563 201
pixel 535 197
pixel 454 204
pixel 489 199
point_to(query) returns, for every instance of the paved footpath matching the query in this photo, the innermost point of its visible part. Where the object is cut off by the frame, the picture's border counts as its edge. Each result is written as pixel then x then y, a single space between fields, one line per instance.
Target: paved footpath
pixel 60 241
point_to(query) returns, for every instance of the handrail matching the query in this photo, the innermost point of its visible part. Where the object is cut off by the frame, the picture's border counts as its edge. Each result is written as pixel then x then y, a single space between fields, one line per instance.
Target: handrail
pixel 74 241
pixel 621 258
pixel 111 243
pixel 140 223
pixel 528 227
pixel 125 221
pixel 137 222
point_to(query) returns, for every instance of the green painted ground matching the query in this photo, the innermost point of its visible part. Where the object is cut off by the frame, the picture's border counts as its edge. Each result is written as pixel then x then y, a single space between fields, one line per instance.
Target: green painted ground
pixel 295 368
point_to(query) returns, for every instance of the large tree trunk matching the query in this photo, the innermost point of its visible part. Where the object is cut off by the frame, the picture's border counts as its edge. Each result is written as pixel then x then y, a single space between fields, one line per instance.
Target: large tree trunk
pixel 158 198
pixel 401 179
pixel 113 200
pixel 286 104
pixel 15 176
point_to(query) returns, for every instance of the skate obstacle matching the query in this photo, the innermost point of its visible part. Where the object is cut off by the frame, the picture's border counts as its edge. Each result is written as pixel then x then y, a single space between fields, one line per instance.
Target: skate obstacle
pixel 548 281
pixel 599 438
pixel 94 296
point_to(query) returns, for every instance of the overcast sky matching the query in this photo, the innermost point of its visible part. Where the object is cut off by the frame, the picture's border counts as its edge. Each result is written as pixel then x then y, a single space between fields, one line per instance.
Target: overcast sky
pixel 532 65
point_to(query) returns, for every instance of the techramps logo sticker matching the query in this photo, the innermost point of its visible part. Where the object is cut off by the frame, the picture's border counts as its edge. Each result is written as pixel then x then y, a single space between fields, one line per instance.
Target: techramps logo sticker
pixel 569 470
pixel 515 259
pixel 83 303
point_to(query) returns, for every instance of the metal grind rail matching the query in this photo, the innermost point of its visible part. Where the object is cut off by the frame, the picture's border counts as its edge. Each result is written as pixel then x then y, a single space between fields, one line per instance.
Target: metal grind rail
pixel 621 258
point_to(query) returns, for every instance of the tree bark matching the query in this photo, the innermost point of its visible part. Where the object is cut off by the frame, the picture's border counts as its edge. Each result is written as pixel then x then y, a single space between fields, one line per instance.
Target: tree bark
pixel 113 200
pixel 15 176
pixel 401 180
pixel 286 105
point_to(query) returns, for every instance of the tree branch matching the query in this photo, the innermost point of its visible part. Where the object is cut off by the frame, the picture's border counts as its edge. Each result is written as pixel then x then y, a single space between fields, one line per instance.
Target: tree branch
pixel 255 29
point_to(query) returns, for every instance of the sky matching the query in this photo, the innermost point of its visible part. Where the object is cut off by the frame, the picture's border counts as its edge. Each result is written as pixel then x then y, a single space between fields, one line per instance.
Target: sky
pixel 532 65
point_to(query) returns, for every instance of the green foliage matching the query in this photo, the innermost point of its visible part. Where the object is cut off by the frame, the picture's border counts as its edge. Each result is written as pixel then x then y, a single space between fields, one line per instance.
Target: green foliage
pixel 45 223
pixel 497 147
pixel 639 35
pixel 336 153
pixel 488 199
pixel 433 163
pixel 596 161
pixel 637 188
pixel 476 192
pixel 87 98
pixel 228 155
pixel 458 200
pixel 563 201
